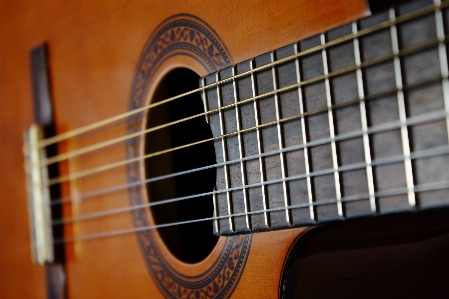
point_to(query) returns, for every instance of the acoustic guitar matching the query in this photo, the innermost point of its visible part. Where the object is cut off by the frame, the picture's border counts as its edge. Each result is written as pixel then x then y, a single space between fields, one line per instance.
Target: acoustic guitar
pixel 290 149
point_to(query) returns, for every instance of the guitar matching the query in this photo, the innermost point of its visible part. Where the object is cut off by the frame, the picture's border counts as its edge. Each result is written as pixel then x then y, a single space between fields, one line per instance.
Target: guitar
pixel 213 193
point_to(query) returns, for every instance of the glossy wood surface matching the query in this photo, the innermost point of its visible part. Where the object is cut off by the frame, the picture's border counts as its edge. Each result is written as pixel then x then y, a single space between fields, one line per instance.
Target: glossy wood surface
pixel 94 47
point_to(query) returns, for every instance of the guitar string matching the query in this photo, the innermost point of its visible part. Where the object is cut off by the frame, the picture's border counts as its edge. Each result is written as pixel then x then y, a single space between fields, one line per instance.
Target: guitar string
pixel 94 170
pixel 158 178
pixel 441 185
pixel 231 161
pixel 420 119
pixel 385 24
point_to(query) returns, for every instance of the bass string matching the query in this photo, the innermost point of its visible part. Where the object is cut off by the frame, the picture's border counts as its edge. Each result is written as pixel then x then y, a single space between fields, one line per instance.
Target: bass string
pixel 385 24
pixel 346 199
pixel 94 170
pixel 437 151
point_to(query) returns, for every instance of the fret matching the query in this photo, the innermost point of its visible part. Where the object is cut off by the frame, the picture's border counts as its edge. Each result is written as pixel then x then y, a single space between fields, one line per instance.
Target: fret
pixel 402 111
pixel 204 99
pixel 383 109
pixel 211 97
pixel 214 196
pixel 332 129
pixel 442 53
pixel 225 159
pixel 280 144
pixel 320 156
pixel 364 121
pixel 288 104
pixel 347 119
pixel 242 164
pixel 259 147
pixel 304 140
pixel 270 141
pixel 250 148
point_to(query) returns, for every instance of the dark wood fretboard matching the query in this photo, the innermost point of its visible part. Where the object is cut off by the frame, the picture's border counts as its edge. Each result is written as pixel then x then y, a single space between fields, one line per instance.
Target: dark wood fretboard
pixel 354 123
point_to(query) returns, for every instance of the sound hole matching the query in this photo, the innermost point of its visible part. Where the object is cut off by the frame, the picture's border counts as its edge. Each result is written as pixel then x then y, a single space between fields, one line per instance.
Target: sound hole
pixel 194 241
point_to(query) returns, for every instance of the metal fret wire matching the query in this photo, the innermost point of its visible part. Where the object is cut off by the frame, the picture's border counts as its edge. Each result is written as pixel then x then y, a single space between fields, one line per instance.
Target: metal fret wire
pixel 101 168
pixel 402 112
pixel 331 129
pixel 280 143
pixel 392 192
pixel 304 139
pixel 214 196
pixel 421 119
pixel 242 164
pixel 442 53
pixel 364 121
pixel 340 137
pixel 382 25
pixel 259 146
pixel 225 156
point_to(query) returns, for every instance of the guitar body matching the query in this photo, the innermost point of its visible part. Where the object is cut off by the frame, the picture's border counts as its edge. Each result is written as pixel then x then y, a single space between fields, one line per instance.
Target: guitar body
pixel 103 62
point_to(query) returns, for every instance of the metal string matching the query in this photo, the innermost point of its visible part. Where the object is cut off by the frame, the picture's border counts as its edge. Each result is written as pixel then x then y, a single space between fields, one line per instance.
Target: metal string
pixel 391 192
pixel 94 170
pixel 425 118
pixel 385 24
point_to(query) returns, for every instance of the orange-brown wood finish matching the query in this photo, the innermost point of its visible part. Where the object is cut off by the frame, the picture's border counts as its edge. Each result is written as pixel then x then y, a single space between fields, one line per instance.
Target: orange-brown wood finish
pixel 94 48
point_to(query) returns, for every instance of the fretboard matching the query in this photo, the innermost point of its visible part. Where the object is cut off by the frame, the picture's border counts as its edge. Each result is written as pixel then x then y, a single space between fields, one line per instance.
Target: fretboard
pixel 349 123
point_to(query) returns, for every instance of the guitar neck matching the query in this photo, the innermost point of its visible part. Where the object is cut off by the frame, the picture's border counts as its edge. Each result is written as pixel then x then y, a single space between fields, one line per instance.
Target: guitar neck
pixel 349 123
